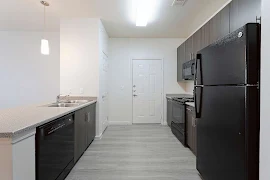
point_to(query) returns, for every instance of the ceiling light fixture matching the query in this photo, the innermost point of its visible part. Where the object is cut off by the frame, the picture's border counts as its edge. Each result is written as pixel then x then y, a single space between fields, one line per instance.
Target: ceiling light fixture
pixel 45 49
pixel 143 10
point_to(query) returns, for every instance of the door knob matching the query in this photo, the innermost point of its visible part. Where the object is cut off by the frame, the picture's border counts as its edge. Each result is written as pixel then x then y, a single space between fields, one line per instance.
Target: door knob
pixel 134 95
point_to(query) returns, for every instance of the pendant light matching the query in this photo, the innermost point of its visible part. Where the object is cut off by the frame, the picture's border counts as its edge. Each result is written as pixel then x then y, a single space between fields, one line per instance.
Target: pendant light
pixel 45 49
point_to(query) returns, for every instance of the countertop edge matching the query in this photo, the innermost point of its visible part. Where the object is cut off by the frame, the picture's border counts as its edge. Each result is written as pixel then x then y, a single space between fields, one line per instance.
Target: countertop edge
pixel 23 131
pixel 192 104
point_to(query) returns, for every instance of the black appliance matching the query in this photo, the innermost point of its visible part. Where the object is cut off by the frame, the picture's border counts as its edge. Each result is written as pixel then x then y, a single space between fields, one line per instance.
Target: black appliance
pixel 189 70
pixel 227 106
pixel 55 149
pixel 178 121
pixel 169 111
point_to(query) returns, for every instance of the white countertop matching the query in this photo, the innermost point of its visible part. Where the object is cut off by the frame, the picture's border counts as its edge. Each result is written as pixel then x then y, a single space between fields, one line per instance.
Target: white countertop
pixel 190 104
pixel 18 121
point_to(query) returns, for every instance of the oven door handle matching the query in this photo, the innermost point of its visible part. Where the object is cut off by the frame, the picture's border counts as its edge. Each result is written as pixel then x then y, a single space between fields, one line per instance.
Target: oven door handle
pixel 193 68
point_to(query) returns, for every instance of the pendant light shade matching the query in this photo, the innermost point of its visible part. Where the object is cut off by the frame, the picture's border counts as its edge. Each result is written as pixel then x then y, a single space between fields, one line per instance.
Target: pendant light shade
pixel 45 49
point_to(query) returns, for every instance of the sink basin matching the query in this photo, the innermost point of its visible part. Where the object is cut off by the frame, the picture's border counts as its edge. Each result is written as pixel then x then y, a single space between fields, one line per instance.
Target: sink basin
pixel 63 105
pixel 72 103
pixel 80 101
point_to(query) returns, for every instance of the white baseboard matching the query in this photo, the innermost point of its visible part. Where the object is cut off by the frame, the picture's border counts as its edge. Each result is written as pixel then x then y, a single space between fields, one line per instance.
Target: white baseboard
pixel 165 123
pixel 119 123
pixel 99 137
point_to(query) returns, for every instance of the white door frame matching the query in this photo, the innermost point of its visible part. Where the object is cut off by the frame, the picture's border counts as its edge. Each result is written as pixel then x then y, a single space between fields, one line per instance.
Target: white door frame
pixel 162 84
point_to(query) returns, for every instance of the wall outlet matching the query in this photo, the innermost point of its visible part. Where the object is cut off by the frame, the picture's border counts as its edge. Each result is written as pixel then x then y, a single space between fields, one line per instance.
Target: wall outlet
pixel 81 90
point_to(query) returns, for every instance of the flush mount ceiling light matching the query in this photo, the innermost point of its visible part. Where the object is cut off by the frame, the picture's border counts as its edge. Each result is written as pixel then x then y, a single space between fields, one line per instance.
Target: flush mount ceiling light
pixel 143 10
pixel 45 49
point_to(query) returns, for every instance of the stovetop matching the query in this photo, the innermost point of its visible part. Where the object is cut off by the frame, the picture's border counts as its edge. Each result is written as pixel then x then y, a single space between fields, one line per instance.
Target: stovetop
pixel 183 99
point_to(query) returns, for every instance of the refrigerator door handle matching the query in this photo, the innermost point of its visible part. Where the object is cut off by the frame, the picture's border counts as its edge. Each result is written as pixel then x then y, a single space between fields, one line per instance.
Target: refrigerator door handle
pixel 198 58
pixel 198 104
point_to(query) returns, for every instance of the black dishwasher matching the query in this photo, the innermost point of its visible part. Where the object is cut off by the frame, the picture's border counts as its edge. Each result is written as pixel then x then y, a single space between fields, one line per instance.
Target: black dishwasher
pixel 55 149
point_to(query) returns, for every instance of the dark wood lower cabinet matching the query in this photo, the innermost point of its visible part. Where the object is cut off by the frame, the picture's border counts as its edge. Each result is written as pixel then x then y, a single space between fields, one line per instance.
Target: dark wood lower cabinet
pixel 191 129
pixel 90 124
pixel 80 131
pixel 85 129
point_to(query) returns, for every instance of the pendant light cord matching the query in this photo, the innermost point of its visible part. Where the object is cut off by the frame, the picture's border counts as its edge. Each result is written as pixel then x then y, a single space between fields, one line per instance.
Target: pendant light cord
pixel 44 21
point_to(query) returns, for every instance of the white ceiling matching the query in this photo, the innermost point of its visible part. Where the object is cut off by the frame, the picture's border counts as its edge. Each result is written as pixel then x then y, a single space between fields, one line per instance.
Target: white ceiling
pixel 27 15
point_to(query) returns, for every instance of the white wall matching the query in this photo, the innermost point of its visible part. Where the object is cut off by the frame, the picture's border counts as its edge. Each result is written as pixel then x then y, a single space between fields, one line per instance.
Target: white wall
pixel 122 50
pixel 265 89
pixel 27 76
pixel 82 43
pixel 79 57
pixel 189 87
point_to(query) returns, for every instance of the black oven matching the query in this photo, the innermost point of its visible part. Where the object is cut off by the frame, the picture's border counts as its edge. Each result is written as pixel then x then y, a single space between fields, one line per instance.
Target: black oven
pixel 189 70
pixel 178 124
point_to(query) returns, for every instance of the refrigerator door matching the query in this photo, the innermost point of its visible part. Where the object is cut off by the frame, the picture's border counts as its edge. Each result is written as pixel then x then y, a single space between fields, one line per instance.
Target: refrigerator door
pixel 228 133
pixel 233 60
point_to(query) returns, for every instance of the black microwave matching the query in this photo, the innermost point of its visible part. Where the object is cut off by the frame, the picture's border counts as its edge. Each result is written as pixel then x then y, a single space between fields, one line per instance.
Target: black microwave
pixel 189 70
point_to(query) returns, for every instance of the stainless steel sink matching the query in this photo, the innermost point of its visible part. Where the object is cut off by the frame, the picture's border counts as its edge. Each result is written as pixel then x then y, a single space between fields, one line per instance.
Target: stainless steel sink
pixel 79 101
pixel 69 103
pixel 63 105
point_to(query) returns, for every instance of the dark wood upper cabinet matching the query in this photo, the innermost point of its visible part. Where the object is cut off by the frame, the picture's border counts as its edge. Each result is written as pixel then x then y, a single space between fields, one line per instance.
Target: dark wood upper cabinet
pixel 224 27
pixel 243 12
pixel 233 16
pixel 197 42
pixel 205 35
pixel 189 49
pixel 220 24
pixel 180 60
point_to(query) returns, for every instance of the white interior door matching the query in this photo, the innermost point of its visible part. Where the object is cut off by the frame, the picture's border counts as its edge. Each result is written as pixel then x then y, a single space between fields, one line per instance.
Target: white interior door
pixel 147 91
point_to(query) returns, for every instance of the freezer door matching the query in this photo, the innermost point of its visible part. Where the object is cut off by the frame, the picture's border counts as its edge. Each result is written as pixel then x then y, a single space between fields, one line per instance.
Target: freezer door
pixel 233 60
pixel 227 133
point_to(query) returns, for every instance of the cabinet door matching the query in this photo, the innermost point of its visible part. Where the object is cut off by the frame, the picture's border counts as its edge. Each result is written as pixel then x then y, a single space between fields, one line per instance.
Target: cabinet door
pixel 91 123
pixel 180 61
pixel 224 27
pixel 243 12
pixel 220 25
pixel 189 128
pixel 169 112
pixel 80 133
pixel 197 42
pixel 194 133
pixel 189 49
pixel 205 35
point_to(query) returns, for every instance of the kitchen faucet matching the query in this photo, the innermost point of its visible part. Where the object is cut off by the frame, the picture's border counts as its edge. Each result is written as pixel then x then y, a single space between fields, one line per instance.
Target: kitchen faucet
pixel 59 96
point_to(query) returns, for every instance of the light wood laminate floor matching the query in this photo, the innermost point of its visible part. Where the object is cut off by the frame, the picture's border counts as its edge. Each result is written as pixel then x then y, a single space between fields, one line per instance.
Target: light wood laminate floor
pixel 137 152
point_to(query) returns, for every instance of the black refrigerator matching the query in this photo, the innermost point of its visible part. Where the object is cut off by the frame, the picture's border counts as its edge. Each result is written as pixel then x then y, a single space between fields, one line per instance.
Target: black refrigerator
pixel 227 106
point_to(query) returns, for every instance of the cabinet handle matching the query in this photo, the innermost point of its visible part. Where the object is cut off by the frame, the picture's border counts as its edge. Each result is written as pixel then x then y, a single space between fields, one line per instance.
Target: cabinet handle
pixel 190 56
pixel 89 115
